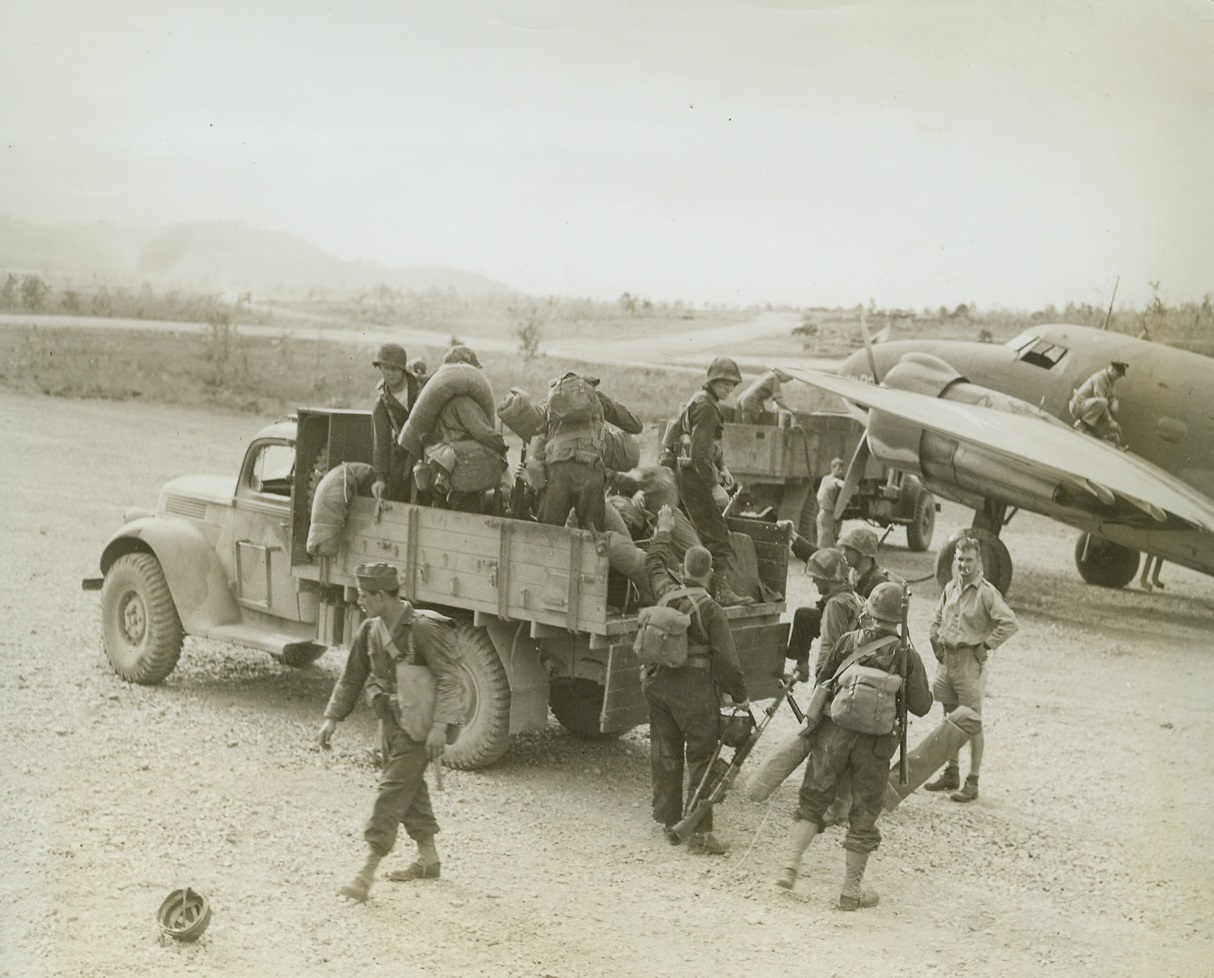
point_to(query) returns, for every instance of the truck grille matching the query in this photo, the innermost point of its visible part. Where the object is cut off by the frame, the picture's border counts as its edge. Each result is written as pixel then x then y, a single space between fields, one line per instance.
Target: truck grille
pixel 190 509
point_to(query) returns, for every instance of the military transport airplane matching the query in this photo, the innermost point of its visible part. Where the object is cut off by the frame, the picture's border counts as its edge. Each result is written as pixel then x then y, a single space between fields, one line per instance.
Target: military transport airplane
pixel 987 426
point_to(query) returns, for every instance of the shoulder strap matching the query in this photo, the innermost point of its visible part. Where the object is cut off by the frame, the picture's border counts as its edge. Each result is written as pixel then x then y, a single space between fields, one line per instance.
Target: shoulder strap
pixel 690 594
pixel 862 651
pixel 380 627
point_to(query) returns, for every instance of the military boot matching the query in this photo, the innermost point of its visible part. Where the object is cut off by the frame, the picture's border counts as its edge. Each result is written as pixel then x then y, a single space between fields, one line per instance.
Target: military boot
pixel 725 595
pixel 969 792
pixel 949 780
pixel 707 843
pixel 425 867
pixel 803 833
pixel 358 888
pixel 854 897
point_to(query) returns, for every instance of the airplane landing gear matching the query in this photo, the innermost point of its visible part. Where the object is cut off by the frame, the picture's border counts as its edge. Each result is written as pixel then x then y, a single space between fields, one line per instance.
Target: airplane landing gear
pixel 996 561
pixel 1104 563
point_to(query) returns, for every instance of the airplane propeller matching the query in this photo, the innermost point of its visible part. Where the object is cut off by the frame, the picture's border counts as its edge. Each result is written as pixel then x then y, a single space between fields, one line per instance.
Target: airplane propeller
pixel 859 459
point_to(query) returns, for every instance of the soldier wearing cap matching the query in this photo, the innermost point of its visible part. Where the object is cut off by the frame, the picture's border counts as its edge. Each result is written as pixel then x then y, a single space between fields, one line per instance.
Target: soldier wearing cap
pixel 862 757
pixel 395 394
pixel 859 547
pixel 1094 407
pixel 828 495
pixel 691 447
pixel 392 640
pixel 684 703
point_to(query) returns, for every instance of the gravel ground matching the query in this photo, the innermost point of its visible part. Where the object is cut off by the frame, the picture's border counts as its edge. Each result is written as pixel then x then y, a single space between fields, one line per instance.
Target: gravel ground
pixel 1087 853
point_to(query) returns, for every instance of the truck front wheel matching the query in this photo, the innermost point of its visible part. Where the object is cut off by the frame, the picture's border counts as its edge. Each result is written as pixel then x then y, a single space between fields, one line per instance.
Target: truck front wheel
pixel 485 735
pixel 919 531
pixel 139 621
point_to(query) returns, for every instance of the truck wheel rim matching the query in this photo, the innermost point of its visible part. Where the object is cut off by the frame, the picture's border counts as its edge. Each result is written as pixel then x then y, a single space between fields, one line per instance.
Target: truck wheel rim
pixel 133 618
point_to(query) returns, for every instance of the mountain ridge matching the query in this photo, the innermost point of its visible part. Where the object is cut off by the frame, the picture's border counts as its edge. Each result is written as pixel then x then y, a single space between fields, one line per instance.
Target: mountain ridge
pixel 228 257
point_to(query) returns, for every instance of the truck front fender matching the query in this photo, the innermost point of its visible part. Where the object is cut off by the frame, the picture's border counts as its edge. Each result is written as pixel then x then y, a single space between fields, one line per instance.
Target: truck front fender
pixel 197 581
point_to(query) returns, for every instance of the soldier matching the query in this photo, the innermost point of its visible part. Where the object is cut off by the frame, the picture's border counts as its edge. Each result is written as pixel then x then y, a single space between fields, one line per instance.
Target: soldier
pixel 573 417
pixel 837 611
pixel 394 635
pixel 971 620
pixel 1094 407
pixel 828 495
pixel 684 704
pixel 753 401
pixel 396 393
pixel 701 423
pixel 859 546
pixel 864 757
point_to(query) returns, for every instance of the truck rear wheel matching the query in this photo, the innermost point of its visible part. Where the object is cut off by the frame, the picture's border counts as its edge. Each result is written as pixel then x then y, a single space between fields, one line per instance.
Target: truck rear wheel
pixel 919 531
pixel 139 622
pixel 577 705
pixel 485 735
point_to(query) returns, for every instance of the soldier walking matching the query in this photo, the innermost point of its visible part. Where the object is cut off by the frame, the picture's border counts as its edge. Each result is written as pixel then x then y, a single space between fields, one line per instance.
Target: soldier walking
pixel 863 756
pixel 395 634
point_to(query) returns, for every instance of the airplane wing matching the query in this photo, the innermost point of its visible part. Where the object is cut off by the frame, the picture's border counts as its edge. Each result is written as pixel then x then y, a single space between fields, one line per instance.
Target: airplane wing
pixel 1039 445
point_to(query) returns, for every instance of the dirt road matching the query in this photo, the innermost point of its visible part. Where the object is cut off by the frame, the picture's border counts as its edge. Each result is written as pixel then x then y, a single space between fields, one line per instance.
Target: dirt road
pixel 1087 854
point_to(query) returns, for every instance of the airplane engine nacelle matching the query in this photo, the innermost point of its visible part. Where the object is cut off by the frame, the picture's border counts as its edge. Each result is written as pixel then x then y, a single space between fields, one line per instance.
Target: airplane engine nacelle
pixel 939 458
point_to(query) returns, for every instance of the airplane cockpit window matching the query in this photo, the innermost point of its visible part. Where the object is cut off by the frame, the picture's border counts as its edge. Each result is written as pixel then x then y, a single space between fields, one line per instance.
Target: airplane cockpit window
pixel 1037 350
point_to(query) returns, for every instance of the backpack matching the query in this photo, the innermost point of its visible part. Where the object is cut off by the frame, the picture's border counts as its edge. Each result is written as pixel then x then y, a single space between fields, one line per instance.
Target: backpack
pixel 866 698
pixel 662 631
pixel 573 399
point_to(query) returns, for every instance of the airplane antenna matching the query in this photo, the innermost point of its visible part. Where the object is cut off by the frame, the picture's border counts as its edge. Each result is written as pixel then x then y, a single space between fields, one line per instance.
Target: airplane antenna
pixel 1114 296
pixel 868 346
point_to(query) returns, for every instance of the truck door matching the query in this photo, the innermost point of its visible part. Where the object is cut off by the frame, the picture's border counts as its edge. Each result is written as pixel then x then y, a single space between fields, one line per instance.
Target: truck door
pixel 261 530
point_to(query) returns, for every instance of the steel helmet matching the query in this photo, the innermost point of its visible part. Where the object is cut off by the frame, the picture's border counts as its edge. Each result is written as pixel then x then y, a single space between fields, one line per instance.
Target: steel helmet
pixel 184 915
pixel 722 368
pixel 885 603
pixel 391 355
pixel 736 726
pixel 827 564
pixel 862 539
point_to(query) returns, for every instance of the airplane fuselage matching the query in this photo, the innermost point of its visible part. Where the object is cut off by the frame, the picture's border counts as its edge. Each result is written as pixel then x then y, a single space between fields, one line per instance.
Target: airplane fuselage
pixel 1166 410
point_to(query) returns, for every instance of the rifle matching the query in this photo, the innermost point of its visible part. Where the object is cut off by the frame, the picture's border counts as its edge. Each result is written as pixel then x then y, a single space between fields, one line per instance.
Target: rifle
pixel 720 776
pixel 904 671
pixel 520 493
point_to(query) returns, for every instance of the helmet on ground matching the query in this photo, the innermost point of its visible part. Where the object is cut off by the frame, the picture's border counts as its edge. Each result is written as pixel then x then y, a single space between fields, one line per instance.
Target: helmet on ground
pixel 722 368
pixel 827 564
pixel 860 538
pixel 885 603
pixel 736 726
pixel 391 355
pixel 184 915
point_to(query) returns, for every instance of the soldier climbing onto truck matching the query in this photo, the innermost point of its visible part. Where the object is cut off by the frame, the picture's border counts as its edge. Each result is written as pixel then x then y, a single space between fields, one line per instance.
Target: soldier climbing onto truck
pixel 690 447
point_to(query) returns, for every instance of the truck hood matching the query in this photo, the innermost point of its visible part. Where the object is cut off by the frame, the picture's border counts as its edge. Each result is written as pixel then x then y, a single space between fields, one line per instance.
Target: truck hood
pixel 207 489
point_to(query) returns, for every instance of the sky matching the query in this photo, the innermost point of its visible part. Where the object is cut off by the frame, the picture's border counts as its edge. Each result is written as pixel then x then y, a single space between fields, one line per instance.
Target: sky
pixel 904 152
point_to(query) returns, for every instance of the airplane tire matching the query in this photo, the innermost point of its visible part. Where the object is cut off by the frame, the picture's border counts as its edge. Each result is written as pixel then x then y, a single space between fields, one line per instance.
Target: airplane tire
pixel 485 735
pixel 1103 563
pixel 996 561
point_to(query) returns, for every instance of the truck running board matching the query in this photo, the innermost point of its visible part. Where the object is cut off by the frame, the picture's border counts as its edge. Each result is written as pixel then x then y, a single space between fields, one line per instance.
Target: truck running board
pixel 276 643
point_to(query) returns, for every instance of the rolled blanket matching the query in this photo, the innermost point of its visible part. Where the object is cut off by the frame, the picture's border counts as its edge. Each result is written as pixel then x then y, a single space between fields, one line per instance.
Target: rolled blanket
pixel 450 380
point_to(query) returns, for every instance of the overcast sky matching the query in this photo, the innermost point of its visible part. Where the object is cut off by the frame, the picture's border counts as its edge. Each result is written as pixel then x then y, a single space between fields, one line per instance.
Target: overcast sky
pixel 913 153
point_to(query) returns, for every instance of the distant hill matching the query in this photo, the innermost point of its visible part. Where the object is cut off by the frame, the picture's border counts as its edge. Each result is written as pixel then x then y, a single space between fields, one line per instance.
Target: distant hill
pixel 225 257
